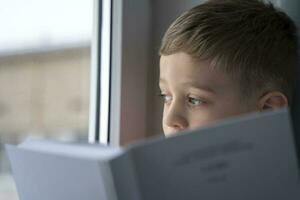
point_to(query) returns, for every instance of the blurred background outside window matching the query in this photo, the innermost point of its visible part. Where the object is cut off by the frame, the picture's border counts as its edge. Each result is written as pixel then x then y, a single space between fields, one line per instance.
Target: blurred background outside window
pixel 44 74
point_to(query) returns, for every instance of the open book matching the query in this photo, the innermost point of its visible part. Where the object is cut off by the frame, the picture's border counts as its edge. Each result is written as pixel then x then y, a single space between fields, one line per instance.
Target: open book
pixel 251 158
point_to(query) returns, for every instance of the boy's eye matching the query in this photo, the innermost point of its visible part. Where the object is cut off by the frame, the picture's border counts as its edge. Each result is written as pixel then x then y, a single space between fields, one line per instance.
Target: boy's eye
pixel 195 101
pixel 166 98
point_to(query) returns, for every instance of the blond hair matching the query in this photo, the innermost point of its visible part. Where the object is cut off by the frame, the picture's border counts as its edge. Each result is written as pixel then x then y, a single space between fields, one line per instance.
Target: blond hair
pixel 251 40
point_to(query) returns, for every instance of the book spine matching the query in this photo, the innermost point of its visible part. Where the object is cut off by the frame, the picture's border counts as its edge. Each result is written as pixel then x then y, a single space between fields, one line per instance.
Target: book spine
pixel 124 177
pixel 108 182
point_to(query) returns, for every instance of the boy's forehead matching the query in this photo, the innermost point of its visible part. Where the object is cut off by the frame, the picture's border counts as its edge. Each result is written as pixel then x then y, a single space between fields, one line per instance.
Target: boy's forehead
pixel 182 64
pixel 180 68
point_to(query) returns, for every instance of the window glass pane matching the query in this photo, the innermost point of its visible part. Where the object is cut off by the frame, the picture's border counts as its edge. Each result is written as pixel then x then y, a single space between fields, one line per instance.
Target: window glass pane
pixel 44 74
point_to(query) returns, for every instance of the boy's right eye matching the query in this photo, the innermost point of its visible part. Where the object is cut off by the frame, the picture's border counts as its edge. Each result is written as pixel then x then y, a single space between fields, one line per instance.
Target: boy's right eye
pixel 166 98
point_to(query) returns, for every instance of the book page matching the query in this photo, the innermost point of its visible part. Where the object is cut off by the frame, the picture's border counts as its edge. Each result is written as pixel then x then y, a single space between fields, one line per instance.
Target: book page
pixel 248 158
pixel 90 151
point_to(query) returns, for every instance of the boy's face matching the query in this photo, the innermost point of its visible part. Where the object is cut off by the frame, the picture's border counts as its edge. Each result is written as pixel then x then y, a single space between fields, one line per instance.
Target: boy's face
pixel 195 94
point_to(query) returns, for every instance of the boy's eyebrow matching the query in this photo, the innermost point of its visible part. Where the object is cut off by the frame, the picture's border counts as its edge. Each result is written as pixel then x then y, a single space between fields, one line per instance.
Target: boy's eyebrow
pixel 199 86
pixel 193 84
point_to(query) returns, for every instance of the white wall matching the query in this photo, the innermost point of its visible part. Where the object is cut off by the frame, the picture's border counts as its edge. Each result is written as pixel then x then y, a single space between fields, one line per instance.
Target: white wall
pixel 130 62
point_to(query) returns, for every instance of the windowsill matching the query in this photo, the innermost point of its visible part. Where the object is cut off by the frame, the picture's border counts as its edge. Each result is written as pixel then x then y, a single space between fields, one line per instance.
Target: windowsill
pixel 8 188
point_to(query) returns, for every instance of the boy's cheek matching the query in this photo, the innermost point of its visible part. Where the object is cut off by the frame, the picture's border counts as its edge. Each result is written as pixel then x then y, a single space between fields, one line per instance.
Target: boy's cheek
pixel 208 115
pixel 200 121
pixel 193 119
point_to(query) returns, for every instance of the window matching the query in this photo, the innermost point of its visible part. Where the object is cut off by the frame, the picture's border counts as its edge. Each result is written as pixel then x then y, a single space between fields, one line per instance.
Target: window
pixel 44 74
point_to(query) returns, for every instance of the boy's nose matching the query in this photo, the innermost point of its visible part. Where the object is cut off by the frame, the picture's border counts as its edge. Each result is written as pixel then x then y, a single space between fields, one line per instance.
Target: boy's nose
pixel 175 119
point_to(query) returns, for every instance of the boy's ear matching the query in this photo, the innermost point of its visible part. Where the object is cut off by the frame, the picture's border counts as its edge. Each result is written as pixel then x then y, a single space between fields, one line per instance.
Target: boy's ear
pixel 272 100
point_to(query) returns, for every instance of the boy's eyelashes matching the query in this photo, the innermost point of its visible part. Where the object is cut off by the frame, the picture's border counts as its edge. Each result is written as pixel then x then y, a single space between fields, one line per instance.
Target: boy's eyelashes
pixel 166 98
pixel 193 101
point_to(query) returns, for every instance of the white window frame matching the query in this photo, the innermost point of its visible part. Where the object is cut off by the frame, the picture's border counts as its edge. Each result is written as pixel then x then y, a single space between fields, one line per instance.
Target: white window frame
pixel 118 101
pixel 100 73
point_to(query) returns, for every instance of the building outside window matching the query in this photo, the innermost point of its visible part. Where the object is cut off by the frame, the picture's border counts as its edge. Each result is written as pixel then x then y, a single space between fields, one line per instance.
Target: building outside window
pixel 44 74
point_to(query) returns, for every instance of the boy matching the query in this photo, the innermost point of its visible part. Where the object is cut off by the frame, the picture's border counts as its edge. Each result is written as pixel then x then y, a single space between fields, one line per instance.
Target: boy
pixel 224 58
